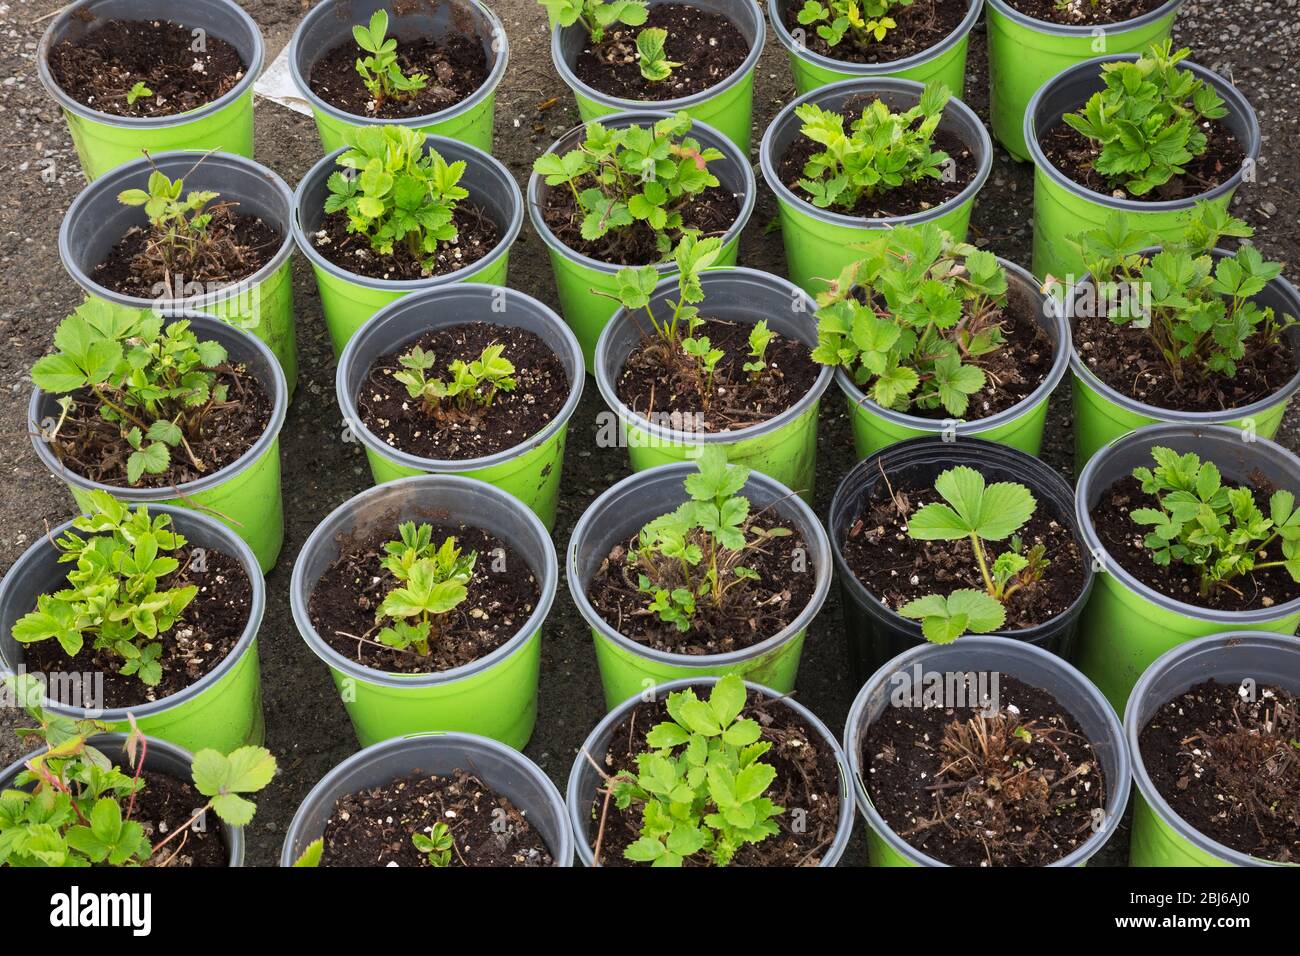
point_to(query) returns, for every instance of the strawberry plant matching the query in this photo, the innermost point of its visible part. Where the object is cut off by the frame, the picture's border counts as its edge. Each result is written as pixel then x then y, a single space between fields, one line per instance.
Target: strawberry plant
pixel 432 582
pixel 138 92
pixel 881 150
pixel 436 846
pixel 979 513
pixel 701 786
pixel 912 319
pixel 597 16
pixel 654 62
pixel 468 384
pixel 1148 120
pixel 179 221
pixel 862 22
pixel 380 71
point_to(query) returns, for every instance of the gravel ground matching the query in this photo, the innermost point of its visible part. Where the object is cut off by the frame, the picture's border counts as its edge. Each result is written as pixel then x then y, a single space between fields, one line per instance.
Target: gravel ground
pixel 1254 43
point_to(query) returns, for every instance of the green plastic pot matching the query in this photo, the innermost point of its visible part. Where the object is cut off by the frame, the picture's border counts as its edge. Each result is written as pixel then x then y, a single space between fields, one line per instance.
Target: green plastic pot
pixel 628 667
pixel 1020 426
pixel 945 61
pixel 496 695
pixel 329 25
pixel 1127 624
pixel 1103 413
pixel 349 299
pixel 895 684
pixel 726 106
pixel 819 243
pixel 586 286
pixel 1160 836
pixel 504 771
pixel 785 446
pixel 244 495
pixel 222 710
pixel 584 781
pixel 159 757
pixel 1025 52
pixel 261 304
pixel 1063 209
pixel 104 140
pixel 531 470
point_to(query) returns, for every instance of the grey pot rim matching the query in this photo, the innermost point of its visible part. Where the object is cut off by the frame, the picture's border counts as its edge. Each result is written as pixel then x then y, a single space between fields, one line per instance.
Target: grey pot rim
pixel 495 75
pixel 867 85
pixel 114 179
pixel 1132 731
pixel 959 33
pixel 1148 436
pixel 1233 98
pixel 575 812
pixel 973 429
pixel 232 545
pixel 896 621
pixel 135 496
pixel 105 741
pixel 348 405
pixel 661 433
pixel 876 822
pixel 328 165
pixel 1077 30
pixel 731 152
pixel 1113 395
pixel 785 498
pixel 547 575
pixel 570 79
pixel 251 72
pixel 418 742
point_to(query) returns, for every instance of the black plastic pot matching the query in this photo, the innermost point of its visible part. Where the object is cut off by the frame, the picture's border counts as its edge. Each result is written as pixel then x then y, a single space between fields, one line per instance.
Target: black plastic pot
pixel 874 634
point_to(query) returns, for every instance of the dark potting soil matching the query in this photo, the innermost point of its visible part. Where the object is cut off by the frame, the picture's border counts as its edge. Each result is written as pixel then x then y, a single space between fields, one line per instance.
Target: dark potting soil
pixel 95 448
pixel 708 46
pixel 1073 154
pixel 1020 788
pixel 905 200
pixel 659 380
pixel 166 803
pixel 374 826
pixel 807 780
pixel 238 246
pixel 1122 538
pixel 502 595
pixel 711 212
pixel 1128 360
pixel 477 234
pixel 455 66
pixel 752 612
pixel 898 569
pixel 101 68
pixel 1085 12
pixel 919 27
pixel 199 641
pixel 1228 764
pixel 453 434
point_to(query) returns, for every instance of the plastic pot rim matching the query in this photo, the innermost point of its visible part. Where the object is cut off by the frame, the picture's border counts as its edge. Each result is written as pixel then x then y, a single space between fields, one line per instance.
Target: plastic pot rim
pixel 114 180
pixel 680 103
pixel 135 496
pixel 1132 731
pixel 785 497
pixel 325 167
pixel 786 40
pixel 329 7
pixel 676 437
pixel 1149 436
pixel 1082 30
pixel 731 152
pixel 973 429
pixel 347 401
pixel 866 85
pixel 341 771
pixel 1046 475
pixel 232 544
pixel 1233 98
pixel 245 84
pixel 575 813
pixel 547 574
pixel 904 661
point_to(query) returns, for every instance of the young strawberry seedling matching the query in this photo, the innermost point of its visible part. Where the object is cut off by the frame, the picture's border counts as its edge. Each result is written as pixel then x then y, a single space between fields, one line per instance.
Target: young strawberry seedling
pixel 860 23
pixel 380 71
pixel 181 238
pixel 597 16
pixel 469 387
pixel 655 65
pixel 138 92
pixel 433 582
